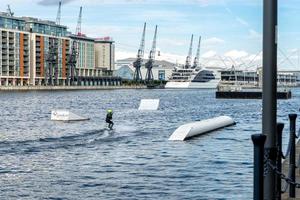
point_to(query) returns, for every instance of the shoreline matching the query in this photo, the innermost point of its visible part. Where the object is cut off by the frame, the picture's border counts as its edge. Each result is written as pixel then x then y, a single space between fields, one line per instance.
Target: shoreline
pixel 59 88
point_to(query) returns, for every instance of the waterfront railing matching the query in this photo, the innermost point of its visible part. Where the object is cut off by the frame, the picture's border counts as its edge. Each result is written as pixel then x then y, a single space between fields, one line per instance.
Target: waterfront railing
pixel 264 162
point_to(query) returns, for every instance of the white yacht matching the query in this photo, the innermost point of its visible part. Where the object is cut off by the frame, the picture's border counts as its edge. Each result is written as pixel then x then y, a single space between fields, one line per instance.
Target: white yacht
pixel 193 78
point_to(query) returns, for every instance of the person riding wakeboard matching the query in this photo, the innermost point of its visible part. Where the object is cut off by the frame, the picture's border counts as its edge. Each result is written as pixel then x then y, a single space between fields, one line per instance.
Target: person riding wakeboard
pixel 109 119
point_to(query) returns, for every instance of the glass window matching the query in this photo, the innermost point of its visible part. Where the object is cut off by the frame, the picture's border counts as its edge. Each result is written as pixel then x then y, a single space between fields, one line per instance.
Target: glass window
pixel 161 75
pixel 1 22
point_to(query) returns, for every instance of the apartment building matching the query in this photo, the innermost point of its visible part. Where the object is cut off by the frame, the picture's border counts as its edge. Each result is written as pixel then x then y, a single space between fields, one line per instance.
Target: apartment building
pixel 36 52
pixel 86 56
pixel 15 51
pixel 105 53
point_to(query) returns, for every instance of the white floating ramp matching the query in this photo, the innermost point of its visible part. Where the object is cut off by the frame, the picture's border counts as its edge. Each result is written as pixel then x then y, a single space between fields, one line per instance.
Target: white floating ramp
pixel 65 115
pixel 149 104
pixel 198 128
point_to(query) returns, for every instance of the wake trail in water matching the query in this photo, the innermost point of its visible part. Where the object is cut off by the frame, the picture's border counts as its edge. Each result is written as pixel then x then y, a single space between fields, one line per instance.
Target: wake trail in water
pixel 67 141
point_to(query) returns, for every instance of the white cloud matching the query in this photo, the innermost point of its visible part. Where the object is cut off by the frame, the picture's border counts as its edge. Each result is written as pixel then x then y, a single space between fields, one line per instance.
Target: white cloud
pixel 254 58
pixel 174 58
pixel 235 54
pixel 209 54
pixel 205 2
pixel 173 42
pixel 241 21
pixel 213 41
pixel 161 15
pixel 293 50
pixel 254 34
pixel 119 54
pixel 239 58
pixel 101 30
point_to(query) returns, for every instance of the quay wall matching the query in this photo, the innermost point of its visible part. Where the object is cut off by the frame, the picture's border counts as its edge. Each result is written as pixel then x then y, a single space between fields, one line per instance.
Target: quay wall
pixel 54 88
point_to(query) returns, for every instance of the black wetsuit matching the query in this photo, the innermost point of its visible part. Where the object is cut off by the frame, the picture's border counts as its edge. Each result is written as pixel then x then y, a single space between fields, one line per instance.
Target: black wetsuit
pixel 109 120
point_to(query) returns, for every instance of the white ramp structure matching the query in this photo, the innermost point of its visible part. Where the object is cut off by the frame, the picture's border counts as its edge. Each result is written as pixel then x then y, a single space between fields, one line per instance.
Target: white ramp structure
pixel 65 115
pixel 198 128
pixel 149 104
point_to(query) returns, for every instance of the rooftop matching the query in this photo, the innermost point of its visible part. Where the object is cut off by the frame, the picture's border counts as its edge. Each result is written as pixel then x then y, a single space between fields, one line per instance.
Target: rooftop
pixel 104 40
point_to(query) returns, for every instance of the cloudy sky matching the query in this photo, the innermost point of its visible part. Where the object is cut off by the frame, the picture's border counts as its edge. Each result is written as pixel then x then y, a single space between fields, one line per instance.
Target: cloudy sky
pixel 231 30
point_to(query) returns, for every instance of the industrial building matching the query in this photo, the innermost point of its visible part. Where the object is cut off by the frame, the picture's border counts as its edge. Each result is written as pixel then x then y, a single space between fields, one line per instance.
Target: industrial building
pixel 161 70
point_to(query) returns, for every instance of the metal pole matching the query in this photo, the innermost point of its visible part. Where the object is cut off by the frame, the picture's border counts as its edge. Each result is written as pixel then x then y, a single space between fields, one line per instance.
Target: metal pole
pixel 270 90
pixel 279 157
pixel 293 153
pixel 258 175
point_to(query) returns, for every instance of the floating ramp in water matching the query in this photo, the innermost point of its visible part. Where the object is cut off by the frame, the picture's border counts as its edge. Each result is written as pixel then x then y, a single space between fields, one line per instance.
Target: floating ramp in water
pixel 198 128
pixel 149 104
pixel 65 115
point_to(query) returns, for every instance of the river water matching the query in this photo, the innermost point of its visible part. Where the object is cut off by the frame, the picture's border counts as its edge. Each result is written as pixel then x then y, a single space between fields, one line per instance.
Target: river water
pixel 42 159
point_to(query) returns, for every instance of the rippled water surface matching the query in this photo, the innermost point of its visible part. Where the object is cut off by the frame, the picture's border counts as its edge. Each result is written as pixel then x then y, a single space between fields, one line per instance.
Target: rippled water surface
pixel 42 159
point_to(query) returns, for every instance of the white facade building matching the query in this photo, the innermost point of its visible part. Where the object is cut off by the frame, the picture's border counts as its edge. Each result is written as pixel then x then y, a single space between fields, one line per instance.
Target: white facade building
pixel 105 53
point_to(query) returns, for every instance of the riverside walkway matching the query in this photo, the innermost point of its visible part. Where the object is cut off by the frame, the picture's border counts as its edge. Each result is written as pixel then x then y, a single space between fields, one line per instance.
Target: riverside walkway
pixel 285 170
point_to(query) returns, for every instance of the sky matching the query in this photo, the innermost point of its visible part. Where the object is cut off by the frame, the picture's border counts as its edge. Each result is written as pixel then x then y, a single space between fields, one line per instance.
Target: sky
pixel 231 30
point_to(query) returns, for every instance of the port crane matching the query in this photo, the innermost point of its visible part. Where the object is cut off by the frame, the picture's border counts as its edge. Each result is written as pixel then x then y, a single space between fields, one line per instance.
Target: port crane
pixel 71 63
pixel 197 57
pixel 74 54
pixel 149 65
pixel 189 57
pixel 78 28
pixel 137 64
pixel 9 11
pixel 58 13
pixel 52 68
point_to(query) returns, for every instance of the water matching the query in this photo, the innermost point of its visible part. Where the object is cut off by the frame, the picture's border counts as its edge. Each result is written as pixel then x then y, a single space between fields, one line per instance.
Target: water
pixel 41 159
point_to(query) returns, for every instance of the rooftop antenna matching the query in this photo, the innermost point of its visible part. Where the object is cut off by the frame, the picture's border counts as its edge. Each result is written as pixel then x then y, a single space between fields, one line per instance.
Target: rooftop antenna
pixel 9 11
pixel 58 13
pixel 78 28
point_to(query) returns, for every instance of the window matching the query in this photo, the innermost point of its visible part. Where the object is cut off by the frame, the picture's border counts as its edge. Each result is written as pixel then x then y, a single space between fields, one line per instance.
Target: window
pixel 161 75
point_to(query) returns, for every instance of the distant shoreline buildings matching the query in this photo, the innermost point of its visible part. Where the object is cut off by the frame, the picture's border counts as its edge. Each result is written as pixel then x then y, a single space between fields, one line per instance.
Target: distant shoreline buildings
pixel 37 52
pixel 27 45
